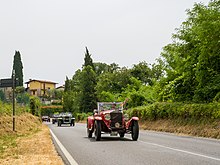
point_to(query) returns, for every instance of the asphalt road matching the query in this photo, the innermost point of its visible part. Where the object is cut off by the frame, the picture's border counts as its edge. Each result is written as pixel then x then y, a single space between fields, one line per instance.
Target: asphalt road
pixel 152 148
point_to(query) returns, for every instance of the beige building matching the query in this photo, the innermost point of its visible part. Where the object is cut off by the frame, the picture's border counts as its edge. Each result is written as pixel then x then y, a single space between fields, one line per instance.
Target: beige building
pixel 40 87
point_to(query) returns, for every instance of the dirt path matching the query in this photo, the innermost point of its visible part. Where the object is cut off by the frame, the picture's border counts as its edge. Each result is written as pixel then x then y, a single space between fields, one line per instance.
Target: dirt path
pixel 33 149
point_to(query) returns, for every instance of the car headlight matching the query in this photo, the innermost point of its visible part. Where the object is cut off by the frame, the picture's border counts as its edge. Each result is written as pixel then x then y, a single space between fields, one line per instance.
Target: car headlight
pixel 126 117
pixel 107 116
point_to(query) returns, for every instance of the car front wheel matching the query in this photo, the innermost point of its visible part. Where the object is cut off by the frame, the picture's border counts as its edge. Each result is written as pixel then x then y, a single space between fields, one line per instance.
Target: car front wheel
pixel 97 130
pixel 59 123
pixel 135 131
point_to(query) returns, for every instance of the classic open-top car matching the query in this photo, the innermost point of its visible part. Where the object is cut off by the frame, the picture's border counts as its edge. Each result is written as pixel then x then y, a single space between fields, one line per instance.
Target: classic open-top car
pixel 109 118
pixel 55 118
pixel 45 118
pixel 65 118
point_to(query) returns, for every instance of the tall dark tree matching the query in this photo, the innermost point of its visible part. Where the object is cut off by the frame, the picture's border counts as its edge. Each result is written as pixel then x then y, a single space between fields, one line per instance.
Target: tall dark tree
pixel 88 95
pixel 88 60
pixel 18 67
pixel 67 85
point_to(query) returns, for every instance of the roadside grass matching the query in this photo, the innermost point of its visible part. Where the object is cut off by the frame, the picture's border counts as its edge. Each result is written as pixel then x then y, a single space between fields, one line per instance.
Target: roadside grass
pixel 30 144
pixel 25 125
pixel 5 143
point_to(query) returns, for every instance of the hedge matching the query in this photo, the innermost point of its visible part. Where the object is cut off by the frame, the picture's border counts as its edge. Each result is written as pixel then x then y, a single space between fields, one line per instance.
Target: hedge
pixel 165 110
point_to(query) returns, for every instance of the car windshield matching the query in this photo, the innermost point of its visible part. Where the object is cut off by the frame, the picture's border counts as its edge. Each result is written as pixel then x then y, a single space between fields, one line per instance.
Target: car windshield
pixel 103 106
pixel 65 114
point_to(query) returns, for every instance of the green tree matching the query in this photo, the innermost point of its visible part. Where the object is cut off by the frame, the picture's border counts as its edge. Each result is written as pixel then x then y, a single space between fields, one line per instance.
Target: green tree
pixel 113 82
pixel 67 84
pixel 101 68
pixel 88 96
pixel 142 72
pixel 193 59
pixel 18 67
pixel 2 95
pixel 35 106
pixel 88 60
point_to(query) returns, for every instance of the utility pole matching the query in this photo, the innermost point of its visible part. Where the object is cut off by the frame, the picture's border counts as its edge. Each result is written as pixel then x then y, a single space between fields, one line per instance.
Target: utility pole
pixel 13 98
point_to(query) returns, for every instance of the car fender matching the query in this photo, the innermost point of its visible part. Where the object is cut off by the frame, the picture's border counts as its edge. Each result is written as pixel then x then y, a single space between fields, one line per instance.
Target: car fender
pixel 129 123
pixel 90 122
pixel 98 118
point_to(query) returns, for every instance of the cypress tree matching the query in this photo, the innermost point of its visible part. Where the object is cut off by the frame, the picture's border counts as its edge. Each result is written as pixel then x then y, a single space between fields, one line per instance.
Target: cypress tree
pixel 67 85
pixel 88 60
pixel 88 93
pixel 18 67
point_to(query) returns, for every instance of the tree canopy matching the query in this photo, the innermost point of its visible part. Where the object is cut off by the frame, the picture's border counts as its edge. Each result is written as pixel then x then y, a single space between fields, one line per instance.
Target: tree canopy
pixel 193 59
pixel 187 71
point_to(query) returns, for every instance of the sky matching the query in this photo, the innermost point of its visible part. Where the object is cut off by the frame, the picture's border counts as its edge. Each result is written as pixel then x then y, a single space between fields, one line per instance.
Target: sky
pixel 51 35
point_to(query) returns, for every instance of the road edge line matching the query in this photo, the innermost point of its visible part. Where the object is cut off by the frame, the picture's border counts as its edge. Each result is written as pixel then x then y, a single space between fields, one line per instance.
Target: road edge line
pixel 63 149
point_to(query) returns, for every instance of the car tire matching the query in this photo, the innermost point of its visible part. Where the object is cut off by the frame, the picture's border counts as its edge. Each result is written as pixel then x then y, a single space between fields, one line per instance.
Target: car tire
pixel 97 130
pixel 122 134
pixel 59 123
pixel 89 132
pixel 73 123
pixel 135 131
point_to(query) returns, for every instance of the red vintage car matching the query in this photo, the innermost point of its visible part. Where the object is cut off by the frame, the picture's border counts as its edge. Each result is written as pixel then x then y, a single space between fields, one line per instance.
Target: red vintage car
pixel 109 118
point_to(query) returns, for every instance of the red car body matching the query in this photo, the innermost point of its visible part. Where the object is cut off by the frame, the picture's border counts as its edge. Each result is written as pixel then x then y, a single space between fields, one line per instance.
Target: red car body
pixel 109 118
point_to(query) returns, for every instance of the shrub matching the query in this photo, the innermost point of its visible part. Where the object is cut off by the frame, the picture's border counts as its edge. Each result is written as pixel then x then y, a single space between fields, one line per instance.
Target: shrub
pixel 82 116
pixel 164 110
pixel 6 109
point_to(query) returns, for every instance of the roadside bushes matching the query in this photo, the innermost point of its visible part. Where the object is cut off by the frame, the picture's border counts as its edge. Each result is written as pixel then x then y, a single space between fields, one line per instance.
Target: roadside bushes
pixel 165 110
pixel 82 116
pixel 35 106
pixel 6 109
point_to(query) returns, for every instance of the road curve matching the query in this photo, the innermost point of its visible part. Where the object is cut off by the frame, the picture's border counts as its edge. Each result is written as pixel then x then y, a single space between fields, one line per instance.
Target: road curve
pixel 152 148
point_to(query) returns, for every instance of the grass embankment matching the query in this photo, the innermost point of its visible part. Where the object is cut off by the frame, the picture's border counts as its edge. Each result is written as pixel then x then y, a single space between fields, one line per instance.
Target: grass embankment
pixel 191 119
pixel 29 144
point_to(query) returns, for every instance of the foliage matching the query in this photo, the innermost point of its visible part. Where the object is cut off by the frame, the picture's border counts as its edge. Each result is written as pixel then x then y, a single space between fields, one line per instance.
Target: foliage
pixel 2 96
pixel 187 71
pixel 165 110
pixel 193 59
pixel 113 82
pixel 6 109
pixel 82 116
pixel 18 67
pixel 142 72
pixel 23 98
pixel 68 101
pixel 88 95
pixel 35 106
pixel 88 60
pixel 50 110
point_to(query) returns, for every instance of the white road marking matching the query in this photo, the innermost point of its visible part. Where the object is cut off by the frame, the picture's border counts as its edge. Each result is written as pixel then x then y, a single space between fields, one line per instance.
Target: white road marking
pixel 63 149
pixel 187 152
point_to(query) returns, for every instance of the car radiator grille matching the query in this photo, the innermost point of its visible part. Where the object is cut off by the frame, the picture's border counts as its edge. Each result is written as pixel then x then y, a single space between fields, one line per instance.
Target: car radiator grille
pixel 66 119
pixel 116 118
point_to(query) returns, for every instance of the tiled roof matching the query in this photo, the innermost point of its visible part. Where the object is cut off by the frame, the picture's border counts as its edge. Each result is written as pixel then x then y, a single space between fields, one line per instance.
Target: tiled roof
pixel 41 81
